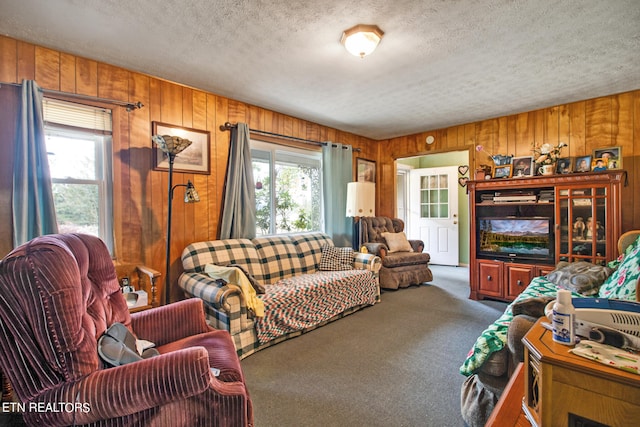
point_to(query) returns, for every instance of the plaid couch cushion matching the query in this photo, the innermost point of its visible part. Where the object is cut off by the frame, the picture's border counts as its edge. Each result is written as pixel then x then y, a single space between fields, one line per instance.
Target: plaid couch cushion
pixel 223 252
pixel 279 258
pixel 309 247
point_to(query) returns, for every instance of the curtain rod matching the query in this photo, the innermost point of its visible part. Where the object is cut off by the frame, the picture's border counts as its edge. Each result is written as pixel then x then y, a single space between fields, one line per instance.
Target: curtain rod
pixel 229 126
pixel 128 105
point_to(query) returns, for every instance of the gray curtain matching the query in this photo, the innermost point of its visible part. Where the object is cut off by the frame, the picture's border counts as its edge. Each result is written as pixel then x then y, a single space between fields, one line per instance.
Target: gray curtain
pixel 337 171
pixel 33 209
pixel 239 207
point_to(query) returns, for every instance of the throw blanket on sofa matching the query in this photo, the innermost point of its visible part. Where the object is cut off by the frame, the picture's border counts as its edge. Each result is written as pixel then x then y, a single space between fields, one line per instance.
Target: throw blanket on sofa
pixel 235 276
pixel 494 338
pixel 317 298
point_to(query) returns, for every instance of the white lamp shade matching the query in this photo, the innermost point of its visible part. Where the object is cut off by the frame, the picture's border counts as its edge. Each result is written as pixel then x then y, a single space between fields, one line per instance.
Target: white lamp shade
pixel 361 199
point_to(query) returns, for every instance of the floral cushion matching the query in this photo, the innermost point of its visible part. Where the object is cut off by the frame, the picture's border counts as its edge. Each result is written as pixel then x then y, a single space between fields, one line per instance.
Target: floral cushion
pixel 622 283
pixel 494 338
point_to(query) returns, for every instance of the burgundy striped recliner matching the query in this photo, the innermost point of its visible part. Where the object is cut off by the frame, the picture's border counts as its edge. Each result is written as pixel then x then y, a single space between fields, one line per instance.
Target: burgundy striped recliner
pixel 58 294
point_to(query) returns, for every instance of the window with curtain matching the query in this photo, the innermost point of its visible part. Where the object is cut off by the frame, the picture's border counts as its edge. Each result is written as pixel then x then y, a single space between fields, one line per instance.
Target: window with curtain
pixel 288 188
pixel 78 139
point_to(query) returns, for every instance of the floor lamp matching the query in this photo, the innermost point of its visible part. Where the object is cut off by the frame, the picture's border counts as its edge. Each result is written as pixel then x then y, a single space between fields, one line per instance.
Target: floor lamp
pixel 361 201
pixel 172 146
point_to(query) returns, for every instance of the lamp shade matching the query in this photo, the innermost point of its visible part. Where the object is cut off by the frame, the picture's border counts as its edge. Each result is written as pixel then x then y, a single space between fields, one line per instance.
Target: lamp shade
pixel 190 194
pixel 361 40
pixel 361 199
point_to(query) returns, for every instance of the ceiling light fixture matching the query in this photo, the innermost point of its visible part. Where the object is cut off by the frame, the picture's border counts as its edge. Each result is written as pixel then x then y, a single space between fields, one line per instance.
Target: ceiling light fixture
pixel 362 39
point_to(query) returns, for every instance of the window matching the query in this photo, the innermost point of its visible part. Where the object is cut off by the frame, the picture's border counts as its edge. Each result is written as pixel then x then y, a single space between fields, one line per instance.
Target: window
pixel 78 140
pixel 434 196
pixel 288 188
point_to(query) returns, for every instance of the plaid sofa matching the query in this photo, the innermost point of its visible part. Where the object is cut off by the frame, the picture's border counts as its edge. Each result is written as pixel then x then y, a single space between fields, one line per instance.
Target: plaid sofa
pixel 298 298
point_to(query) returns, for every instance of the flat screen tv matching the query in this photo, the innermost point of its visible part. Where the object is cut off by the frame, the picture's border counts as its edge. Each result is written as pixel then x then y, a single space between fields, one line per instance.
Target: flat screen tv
pixel 516 237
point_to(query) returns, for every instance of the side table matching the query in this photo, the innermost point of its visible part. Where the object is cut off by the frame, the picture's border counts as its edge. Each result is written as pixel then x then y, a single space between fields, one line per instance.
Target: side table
pixel 562 389
pixel 140 277
pixel 508 411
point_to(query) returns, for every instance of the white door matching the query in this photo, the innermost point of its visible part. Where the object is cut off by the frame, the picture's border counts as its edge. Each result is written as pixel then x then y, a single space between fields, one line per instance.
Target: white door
pixel 433 201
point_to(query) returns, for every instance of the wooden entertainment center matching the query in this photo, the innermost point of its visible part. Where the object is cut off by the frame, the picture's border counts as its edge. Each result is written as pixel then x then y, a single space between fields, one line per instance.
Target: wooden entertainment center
pixel 584 217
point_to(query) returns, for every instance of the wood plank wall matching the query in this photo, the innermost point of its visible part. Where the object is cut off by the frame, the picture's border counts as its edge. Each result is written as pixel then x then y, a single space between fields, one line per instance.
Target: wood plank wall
pixel 609 121
pixel 140 193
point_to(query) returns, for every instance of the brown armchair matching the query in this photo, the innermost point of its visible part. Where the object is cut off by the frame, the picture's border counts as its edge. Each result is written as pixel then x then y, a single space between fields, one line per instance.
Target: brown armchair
pixel 58 294
pixel 400 269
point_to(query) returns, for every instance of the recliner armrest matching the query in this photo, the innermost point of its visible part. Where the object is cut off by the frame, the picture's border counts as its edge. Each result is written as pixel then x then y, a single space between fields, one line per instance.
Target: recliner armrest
pixel 168 323
pixel 417 245
pixel 128 389
pixel 379 249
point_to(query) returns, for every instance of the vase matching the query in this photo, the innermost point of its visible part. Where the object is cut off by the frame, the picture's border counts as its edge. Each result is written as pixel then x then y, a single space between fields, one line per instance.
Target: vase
pixel 546 169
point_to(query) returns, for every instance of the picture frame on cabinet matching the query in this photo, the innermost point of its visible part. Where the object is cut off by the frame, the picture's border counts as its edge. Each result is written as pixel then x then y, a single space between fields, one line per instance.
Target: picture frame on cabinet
pixel 522 166
pixel 582 164
pixel 564 165
pixel 612 156
pixel 503 171
pixel 194 159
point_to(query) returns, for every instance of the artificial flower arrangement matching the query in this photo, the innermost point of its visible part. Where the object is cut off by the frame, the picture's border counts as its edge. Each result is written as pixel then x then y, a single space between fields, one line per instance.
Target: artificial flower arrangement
pixel 547 154
pixel 498 159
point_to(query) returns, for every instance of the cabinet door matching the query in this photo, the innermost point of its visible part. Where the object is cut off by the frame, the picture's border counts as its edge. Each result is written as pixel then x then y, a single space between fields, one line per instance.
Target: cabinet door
pixel 583 223
pixel 518 277
pixel 490 280
pixel 543 270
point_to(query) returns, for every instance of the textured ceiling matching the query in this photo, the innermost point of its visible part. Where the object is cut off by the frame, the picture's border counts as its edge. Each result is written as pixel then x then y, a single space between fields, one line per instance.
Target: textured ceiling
pixel 440 63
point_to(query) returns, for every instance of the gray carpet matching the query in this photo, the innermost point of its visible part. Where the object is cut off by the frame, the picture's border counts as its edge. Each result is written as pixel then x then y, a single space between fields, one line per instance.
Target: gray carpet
pixel 392 364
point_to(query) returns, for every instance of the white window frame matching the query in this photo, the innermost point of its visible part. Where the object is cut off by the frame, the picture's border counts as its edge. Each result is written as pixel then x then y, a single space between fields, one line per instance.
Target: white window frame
pixel 77 122
pixel 276 153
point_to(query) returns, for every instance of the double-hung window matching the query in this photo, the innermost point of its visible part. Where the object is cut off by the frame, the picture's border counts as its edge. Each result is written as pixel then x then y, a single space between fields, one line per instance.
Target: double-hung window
pixel 288 188
pixel 78 139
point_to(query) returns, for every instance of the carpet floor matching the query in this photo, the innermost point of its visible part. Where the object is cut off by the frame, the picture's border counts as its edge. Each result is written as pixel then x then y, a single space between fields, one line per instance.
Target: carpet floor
pixel 392 364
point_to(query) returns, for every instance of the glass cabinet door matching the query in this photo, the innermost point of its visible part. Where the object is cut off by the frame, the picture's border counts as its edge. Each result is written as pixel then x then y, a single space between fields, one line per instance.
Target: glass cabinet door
pixel 581 214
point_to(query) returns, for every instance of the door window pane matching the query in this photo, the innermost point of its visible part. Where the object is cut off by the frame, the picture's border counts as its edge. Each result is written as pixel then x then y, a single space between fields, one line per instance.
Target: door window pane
pixel 434 196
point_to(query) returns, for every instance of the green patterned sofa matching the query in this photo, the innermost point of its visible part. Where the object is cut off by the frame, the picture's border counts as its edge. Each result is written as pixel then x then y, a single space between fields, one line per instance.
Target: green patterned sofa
pixel 300 294
pixel 494 355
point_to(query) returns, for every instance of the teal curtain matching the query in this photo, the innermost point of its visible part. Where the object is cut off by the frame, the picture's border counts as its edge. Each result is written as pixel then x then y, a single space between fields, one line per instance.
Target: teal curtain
pixel 239 207
pixel 337 172
pixel 32 198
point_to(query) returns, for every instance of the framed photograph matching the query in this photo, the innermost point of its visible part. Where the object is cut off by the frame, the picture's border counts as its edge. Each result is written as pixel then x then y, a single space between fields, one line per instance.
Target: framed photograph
pixel 522 166
pixel 564 165
pixel 583 164
pixel 366 170
pixel 194 159
pixel 503 171
pixel 599 165
pixel 611 156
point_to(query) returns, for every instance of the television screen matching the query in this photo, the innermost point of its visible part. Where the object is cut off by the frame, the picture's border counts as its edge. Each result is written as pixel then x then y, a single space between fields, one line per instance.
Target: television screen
pixel 515 238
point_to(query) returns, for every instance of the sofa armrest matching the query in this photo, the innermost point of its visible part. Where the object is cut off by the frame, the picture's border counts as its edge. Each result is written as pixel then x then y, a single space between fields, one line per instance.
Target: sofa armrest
pixel 225 305
pixel 367 262
pixel 169 323
pixel 213 293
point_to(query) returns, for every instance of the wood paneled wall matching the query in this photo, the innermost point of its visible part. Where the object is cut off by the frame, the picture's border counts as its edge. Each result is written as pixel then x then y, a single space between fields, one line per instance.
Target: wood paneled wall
pixel 140 193
pixel 586 125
